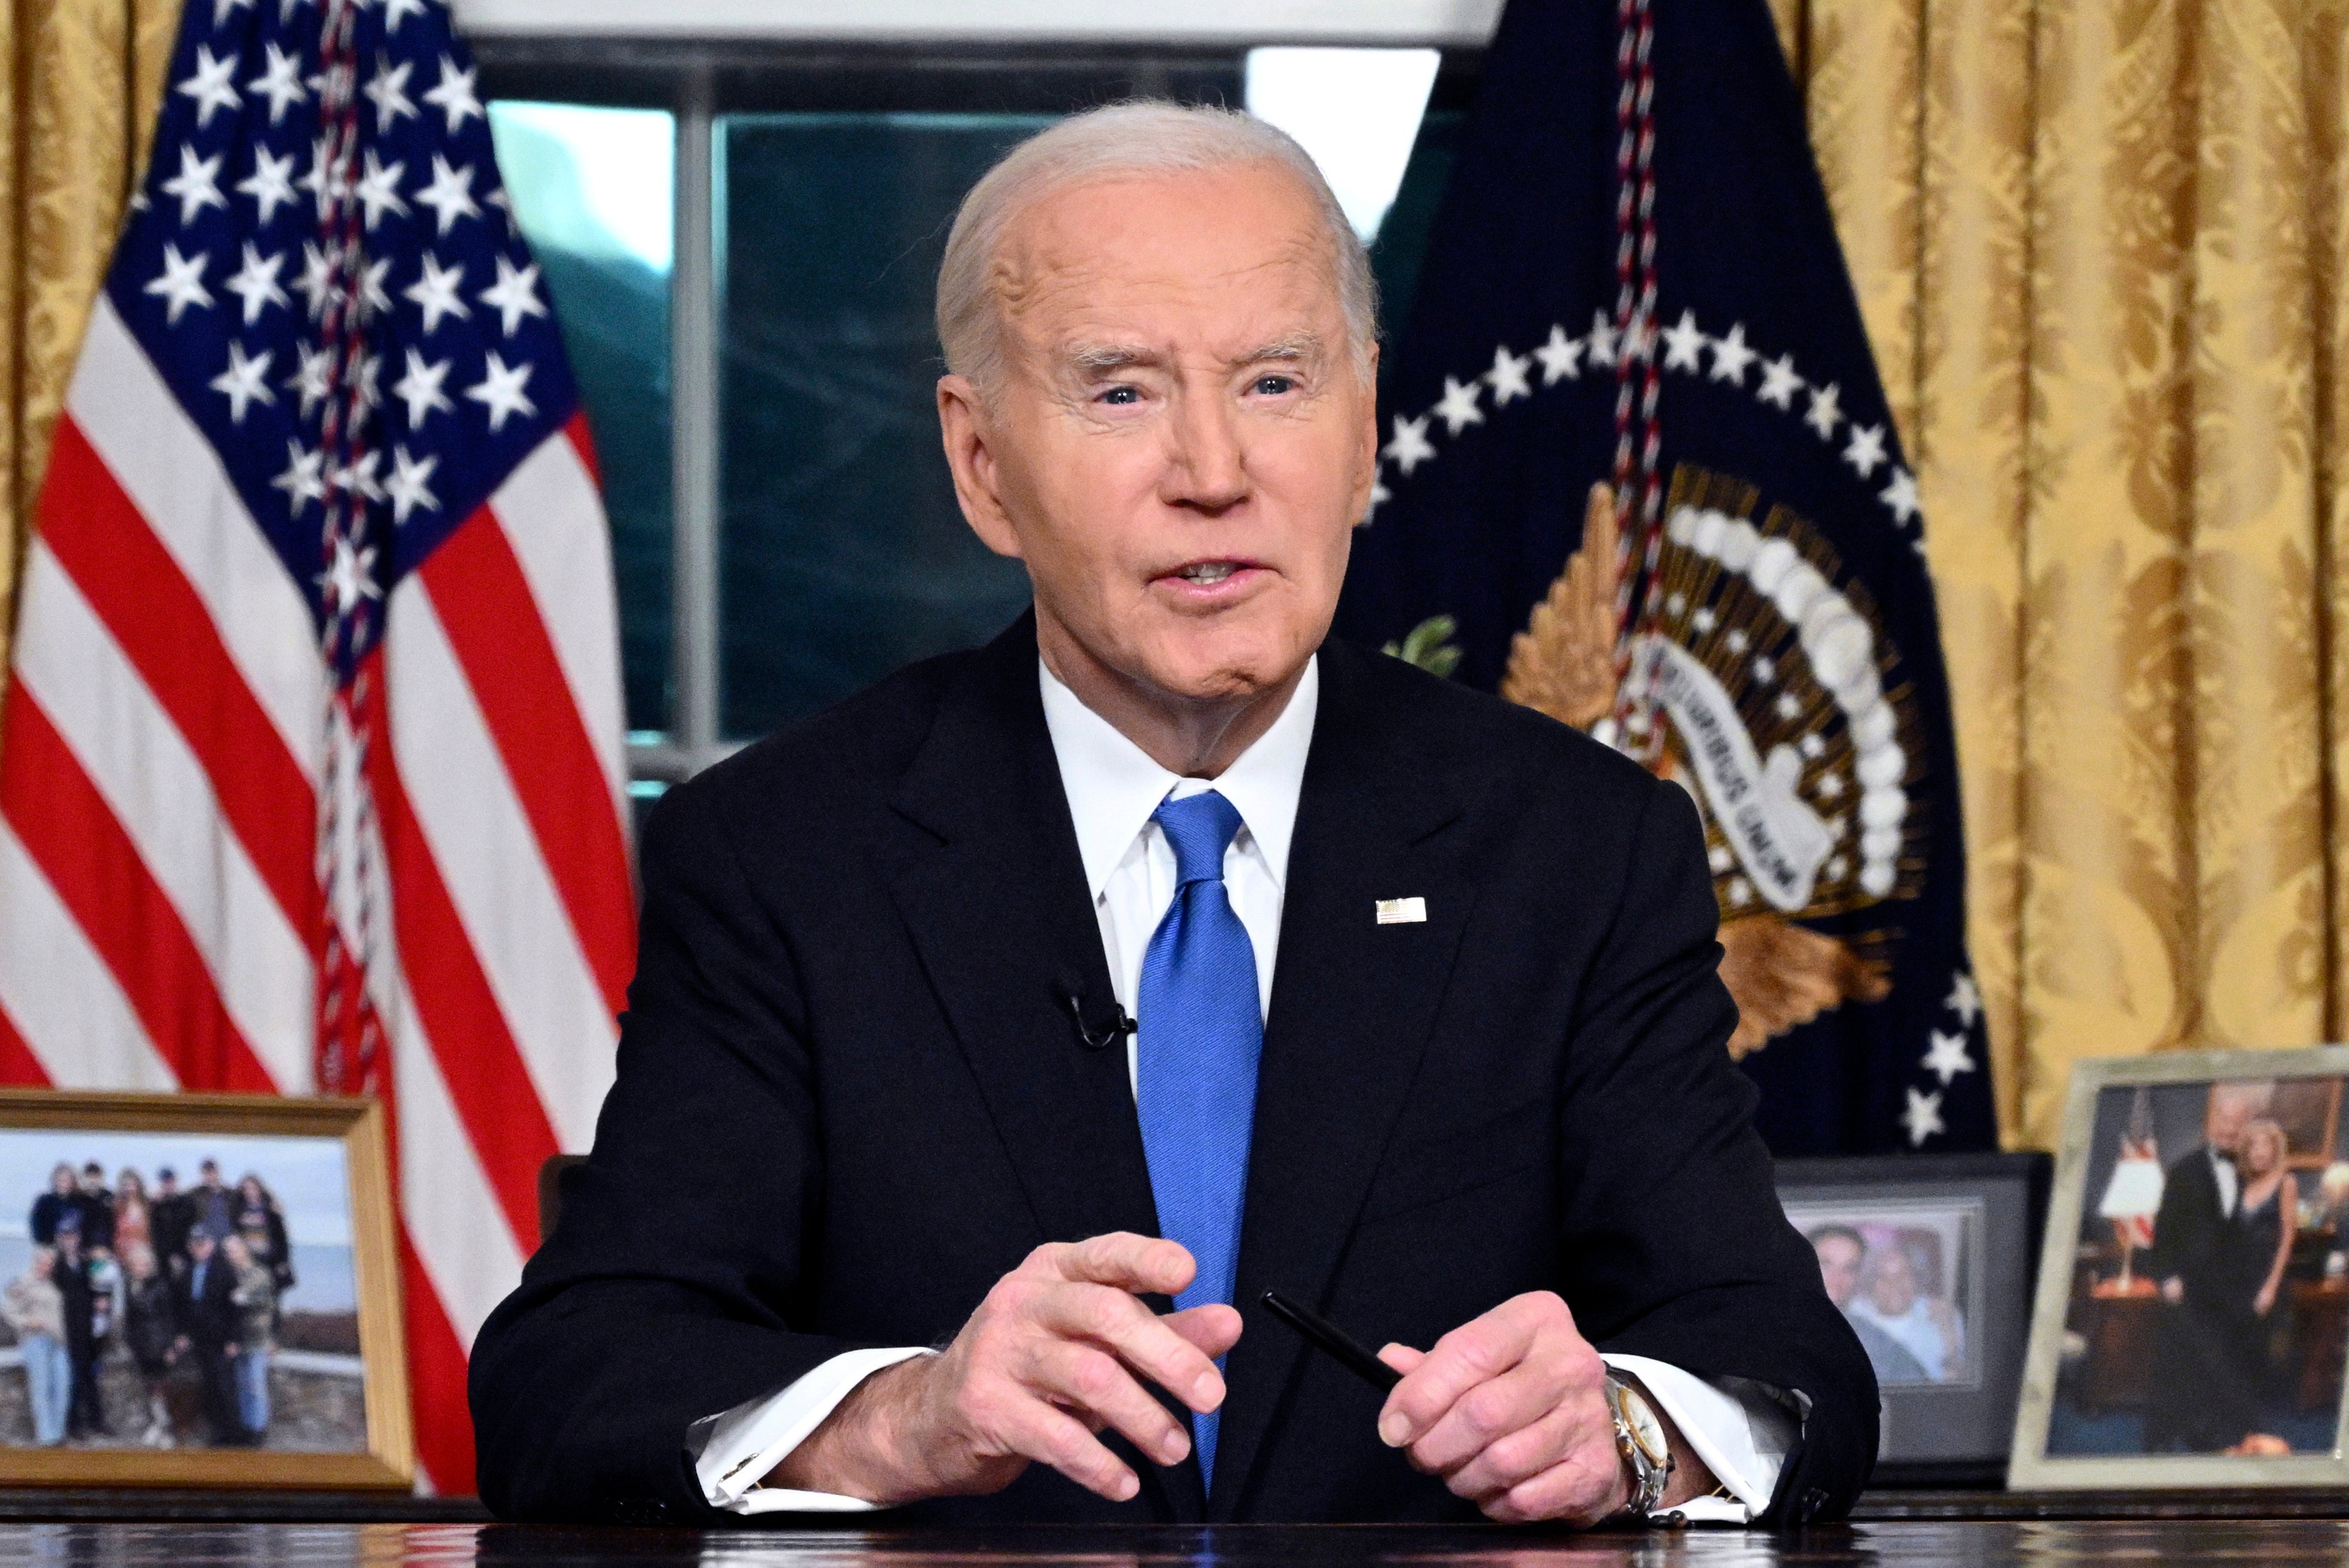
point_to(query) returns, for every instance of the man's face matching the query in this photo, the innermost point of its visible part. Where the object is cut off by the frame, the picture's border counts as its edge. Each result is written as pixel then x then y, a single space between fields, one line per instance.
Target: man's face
pixel 2223 1122
pixel 199 1246
pixel 211 1174
pixel 1183 442
pixel 1893 1287
pixel 1839 1267
pixel 167 1186
pixel 93 1181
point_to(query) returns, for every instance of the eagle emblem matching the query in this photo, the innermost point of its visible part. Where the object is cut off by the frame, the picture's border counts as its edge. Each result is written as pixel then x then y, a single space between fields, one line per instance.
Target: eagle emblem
pixel 1758 686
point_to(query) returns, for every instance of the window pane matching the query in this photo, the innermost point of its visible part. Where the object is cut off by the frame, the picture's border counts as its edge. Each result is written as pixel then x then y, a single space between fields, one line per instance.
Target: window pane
pixel 593 191
pixel 843 555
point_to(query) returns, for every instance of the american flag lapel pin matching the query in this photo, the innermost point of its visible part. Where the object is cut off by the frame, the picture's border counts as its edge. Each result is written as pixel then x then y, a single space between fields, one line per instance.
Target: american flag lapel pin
pixel 1401 910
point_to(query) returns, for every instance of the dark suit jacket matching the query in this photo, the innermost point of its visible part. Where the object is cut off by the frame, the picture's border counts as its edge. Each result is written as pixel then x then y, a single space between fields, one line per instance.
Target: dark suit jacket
pixel 2189 1228
pixel 209 1318
pixel 849 1099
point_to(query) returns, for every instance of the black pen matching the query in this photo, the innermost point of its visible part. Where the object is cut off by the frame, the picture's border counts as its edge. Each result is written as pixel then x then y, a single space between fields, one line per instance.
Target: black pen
pixel 1327 1336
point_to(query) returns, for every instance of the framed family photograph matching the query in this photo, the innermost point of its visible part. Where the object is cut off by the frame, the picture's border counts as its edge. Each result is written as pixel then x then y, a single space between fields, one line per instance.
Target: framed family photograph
pixel 199 1290
pixel 1928 1257
pixel 2193 1302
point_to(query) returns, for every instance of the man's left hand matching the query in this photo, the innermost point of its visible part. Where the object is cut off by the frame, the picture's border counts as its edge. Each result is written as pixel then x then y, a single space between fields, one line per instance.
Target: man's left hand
pixel 1511 1411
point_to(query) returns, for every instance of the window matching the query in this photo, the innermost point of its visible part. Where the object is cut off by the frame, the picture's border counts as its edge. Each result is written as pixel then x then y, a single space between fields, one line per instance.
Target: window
pixel 741 242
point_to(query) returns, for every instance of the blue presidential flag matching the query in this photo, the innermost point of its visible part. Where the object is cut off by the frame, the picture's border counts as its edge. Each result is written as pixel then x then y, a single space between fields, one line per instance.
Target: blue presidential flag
pixel 1635 283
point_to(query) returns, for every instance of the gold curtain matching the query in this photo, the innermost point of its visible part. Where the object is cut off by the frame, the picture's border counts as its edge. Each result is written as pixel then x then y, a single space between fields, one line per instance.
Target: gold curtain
pixel 2102 253
pixel 78 96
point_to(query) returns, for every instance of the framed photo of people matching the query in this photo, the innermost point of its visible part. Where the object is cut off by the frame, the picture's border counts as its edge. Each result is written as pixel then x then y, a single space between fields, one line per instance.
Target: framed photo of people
pixel 1928 1257
pixel 199 1290
pixel 2193 1303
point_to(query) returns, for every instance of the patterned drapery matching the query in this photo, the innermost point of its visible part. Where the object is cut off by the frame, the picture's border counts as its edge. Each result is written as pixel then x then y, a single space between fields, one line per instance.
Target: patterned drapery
pixel 2102 251
pixel 79 83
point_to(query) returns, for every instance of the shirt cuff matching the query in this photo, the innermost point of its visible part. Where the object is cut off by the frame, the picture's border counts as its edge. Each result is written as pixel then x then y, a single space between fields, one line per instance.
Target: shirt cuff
pixel 744 1444
pixel 1741 1434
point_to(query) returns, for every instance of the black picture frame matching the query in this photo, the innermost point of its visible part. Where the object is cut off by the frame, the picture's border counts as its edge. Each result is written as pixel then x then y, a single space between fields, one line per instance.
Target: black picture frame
pixel 1955 1433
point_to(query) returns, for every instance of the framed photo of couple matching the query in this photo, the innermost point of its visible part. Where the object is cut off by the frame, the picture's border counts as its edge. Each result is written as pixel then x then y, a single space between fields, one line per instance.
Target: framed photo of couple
pixel 199 1290
pixel 2192 1310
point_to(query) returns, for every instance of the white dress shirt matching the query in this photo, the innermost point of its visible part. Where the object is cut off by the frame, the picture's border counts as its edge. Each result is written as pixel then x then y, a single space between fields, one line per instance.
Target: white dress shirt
pixel 1112 787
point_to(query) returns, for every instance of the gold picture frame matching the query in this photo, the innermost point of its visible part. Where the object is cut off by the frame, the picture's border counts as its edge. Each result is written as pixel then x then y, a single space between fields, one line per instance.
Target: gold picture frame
pixel 386 1460
pixel 2109 1344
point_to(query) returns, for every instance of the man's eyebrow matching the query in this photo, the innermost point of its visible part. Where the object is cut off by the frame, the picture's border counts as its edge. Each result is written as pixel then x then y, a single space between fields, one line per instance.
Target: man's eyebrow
pixel 1096 357
pixel 1295 348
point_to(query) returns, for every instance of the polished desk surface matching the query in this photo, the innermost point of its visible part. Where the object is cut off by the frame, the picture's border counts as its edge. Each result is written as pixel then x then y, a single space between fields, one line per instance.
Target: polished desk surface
pixel 1927 1529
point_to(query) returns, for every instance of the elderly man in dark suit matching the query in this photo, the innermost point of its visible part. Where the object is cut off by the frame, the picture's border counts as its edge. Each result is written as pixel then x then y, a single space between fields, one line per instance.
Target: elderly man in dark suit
pixel 208 1324
pixel 1430 1033
pixel 2201 1400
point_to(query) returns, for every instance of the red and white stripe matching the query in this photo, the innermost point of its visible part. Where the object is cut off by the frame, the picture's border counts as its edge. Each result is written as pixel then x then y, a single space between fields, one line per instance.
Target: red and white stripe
pixel 160 756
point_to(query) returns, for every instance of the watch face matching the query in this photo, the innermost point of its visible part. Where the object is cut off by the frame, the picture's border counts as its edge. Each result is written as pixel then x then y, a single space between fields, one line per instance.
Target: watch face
pixel 1646 1430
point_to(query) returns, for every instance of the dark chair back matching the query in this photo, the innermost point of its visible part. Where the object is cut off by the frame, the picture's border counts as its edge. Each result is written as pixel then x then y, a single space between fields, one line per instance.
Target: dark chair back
pixel 550 1190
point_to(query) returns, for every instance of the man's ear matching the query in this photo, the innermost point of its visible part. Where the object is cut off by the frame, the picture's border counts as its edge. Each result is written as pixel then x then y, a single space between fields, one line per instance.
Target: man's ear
pixel 964 427
pixel 1369 468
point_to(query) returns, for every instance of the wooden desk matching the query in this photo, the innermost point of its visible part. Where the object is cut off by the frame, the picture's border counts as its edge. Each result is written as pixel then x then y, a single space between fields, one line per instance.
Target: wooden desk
pixel 1913 1542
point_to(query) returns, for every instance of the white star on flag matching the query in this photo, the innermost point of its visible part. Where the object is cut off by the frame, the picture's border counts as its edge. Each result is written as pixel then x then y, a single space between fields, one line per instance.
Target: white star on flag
pixel 326 182
pixel 451 195
pixel 1682 343
pixel 255 283
pixel 1948 1057
pixel 1379 495
pixel 304 480
pixel 499 390
pixel 378 189
pixel 514 295
pixel 359 477
pixel 435 293
pixel 1779 382
pixel 1507 376
pixel 1824 416
pixel 1867 449
pixel 315 379
pixel 454 97
pixel 196 185
pixel 408 487
pixel 1410 445
pixel 242 381
pixel 420 388
pixel 181 284
pixel 396 11
pixel 317 286
pixel 373 301
pixel 1731 357
pixel 363 377
pixel 271 183
pixel 1559 358
pixel 1923 1116
pixel 211 86
pixel 220 9
pixel 1602 338
pixel 280 83
pixel 1458 407
pixel 1965 998
pixel 387 90
pixel 349 577
pixel 1900 495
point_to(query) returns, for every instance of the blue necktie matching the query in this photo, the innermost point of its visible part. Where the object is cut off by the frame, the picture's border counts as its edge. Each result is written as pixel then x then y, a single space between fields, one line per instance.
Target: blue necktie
pixel 1202 1031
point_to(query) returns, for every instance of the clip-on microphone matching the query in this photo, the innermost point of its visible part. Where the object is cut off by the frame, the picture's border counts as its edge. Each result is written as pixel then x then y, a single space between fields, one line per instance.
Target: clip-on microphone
pixel 1102 1031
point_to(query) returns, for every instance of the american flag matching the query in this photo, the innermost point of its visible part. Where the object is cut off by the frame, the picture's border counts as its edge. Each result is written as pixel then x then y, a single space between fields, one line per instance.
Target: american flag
pixel 311 770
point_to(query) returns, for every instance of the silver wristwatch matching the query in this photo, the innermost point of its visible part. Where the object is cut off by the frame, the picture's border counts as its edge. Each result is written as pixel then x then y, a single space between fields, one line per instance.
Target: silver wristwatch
pixel 1646 1452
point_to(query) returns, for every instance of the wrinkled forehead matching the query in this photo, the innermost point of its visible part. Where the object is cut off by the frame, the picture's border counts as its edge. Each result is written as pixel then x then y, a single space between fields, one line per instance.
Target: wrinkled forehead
pixel 1209 260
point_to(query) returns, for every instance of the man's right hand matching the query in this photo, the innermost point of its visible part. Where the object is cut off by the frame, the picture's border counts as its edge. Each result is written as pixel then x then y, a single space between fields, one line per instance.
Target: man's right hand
pixel 1057 1352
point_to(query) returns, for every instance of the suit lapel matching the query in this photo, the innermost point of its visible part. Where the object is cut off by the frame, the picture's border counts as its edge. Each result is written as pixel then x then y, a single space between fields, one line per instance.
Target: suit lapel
pixel 1352 1005
pixel 997 905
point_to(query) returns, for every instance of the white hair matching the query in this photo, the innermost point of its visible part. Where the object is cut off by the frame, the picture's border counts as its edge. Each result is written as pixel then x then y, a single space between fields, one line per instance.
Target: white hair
pixel 1147 136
